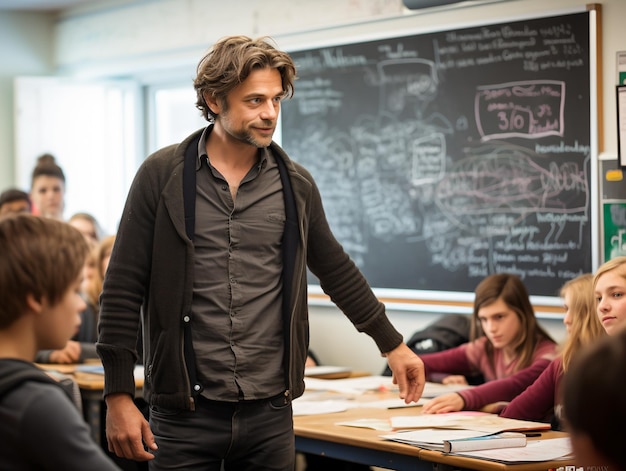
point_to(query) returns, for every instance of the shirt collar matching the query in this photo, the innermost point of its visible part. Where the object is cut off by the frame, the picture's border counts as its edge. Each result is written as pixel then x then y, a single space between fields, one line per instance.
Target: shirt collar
pixel 202 146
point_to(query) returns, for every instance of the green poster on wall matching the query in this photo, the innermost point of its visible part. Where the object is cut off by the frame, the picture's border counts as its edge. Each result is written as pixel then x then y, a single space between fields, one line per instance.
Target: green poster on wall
pixel 614 230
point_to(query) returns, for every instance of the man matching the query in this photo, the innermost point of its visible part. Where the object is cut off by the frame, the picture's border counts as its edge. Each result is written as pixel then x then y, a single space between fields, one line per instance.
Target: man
pixel 213 247
pixel 14 201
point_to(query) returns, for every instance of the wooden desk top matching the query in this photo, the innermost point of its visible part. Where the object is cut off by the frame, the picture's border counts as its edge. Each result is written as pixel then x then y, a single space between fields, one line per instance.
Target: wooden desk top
pixel 323 427
pixel 87 381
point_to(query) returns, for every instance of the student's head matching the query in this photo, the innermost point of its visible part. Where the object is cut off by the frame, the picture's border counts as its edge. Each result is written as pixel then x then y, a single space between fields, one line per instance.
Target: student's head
pixel 594 405
pixel 47 190
pixel 99 261
pixel 41 262
pixel 88 226
pixel 104 253
pixel 581 321
pixel 14 201
pixel 609 285
pixel 503 312
pixel 230 62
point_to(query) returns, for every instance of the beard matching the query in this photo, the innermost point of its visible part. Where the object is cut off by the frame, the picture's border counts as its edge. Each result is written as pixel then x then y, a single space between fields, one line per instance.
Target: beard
pixel 247 133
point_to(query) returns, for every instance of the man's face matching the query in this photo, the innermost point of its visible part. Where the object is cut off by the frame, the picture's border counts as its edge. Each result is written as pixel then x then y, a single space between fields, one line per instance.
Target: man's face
pixel 250 112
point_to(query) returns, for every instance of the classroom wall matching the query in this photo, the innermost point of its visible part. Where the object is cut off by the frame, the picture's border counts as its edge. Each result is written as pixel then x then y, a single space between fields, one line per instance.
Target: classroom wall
pixel 26 49
pixel 158 39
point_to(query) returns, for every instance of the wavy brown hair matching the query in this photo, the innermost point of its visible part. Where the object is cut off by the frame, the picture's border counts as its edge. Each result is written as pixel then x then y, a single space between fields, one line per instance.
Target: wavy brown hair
pixel 510 289
pixel 231 60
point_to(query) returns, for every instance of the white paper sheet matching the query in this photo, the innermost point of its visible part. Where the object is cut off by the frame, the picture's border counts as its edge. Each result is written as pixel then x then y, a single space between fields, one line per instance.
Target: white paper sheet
pixel 552 449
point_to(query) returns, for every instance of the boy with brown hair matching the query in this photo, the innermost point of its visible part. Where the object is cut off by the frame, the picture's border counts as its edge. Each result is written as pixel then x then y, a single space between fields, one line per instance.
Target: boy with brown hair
pixel 41 262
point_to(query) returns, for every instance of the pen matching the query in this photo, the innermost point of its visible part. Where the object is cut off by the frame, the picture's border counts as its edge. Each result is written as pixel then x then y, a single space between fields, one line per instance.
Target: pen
pixel 532 434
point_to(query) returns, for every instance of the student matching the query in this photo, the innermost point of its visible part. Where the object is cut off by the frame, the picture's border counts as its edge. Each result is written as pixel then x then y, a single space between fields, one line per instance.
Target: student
pixel 593 402
pixel 82 346
pixel 211 256
pixel 41 262
pixel 593 388
pixel 508 343
pixel 14 201
pixel 609 284
pixel 47 190
pixel 541 400
pixel 88 226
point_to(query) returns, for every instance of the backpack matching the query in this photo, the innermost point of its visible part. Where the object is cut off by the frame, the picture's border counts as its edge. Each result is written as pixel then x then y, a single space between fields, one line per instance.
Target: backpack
pixel 446 332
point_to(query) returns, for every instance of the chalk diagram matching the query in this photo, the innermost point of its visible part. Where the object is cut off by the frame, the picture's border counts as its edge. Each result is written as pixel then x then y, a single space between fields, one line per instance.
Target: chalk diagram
pixel 389 175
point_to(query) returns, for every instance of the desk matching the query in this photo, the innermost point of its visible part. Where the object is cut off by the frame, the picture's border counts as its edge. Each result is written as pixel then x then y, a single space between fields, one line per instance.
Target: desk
pixel 319 435
pixel 91 387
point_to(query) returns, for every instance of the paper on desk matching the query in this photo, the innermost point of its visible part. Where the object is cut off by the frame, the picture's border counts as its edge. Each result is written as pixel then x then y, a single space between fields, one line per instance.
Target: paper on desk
pixel 375 424
pixel 469 420
pixel 318 407
pixel 325 370
pixel 139 372
pixel 354 386
pixel 310 405
pixel 550 449
pixel 395 403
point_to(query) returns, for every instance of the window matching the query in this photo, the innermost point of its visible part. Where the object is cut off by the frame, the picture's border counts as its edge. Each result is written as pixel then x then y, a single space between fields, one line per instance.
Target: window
pixel 94 131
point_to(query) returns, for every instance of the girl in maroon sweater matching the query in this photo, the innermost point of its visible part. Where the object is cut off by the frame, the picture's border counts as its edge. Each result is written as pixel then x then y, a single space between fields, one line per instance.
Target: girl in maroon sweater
pixel 541 401
pixel 510 348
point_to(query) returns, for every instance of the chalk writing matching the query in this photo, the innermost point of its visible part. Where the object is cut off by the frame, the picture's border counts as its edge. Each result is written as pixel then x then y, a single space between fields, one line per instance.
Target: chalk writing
pixel 447 156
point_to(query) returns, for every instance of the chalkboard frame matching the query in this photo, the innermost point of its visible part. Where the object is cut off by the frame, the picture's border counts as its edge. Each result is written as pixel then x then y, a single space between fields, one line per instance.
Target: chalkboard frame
pixel 456 301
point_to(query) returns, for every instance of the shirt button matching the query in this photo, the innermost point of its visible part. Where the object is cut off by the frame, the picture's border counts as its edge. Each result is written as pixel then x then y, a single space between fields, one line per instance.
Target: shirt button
pixel 186 319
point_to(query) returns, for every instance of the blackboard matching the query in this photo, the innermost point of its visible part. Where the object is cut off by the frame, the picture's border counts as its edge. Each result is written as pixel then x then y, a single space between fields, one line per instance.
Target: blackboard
pixel 447 156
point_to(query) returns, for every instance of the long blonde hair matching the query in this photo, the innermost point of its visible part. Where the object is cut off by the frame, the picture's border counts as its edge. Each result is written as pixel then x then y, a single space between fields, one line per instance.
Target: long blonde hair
pixel 617 263
pixel 98 254
pixel 586 327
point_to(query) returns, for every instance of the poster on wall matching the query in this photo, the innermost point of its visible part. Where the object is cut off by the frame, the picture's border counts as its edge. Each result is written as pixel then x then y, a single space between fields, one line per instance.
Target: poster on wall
pixel 614 229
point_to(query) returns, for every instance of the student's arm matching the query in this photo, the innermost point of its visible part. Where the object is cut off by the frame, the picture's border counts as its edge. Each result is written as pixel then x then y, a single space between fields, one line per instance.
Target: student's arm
pixel 451 361
pixel 506 389
pixel 536 402
pixel 475 398
pixel 70 354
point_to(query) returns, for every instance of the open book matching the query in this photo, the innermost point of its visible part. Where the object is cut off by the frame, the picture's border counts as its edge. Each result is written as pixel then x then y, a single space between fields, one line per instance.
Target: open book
pixel 453 441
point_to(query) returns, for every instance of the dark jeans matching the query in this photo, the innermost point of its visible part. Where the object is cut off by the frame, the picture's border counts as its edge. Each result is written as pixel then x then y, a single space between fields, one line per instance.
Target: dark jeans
pixel 248 435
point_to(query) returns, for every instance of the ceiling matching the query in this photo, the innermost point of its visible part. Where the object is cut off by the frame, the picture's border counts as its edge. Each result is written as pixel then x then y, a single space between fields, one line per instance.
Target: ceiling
pixel 41 5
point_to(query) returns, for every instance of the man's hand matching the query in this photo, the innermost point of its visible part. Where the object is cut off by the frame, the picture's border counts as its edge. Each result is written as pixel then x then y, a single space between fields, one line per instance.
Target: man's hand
pixel 408 372
pixel 127 430
pixel 69 354
pixel 451 402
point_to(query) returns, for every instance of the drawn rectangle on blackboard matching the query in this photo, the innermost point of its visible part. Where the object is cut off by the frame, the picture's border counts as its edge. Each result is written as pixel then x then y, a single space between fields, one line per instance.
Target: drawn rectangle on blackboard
pixel 446 156
pixel 530 109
